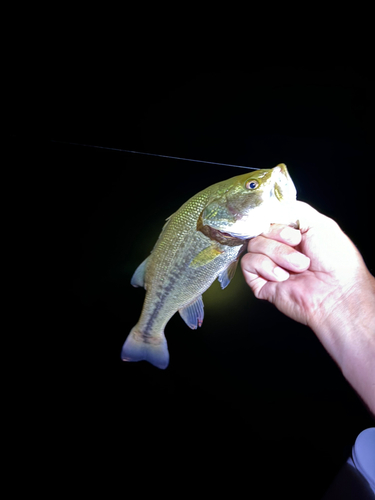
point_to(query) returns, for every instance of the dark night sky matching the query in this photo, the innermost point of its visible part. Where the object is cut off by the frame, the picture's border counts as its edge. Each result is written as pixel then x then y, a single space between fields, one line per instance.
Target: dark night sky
pixel 250 395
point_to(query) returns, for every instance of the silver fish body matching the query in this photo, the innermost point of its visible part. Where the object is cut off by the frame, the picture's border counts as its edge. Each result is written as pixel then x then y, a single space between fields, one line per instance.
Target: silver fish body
pixel 200 242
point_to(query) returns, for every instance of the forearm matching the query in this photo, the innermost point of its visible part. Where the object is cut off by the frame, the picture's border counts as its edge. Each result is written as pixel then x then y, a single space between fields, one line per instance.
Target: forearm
pixel 332 291
pixel 348 334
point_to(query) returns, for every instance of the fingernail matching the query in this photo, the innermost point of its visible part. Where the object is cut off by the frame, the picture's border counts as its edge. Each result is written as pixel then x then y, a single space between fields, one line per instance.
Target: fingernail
pixel 280 274
pixel 290 235
pixel 298 259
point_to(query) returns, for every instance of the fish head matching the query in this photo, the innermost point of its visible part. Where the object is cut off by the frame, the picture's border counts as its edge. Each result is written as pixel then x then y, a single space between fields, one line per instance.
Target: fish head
pixel 245 206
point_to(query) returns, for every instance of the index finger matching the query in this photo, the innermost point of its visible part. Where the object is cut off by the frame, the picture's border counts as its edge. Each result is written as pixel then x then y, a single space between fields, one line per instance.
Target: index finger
pixel 284 234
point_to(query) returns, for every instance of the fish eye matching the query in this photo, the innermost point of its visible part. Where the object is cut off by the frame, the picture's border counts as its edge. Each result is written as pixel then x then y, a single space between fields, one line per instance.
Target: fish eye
pixel 251 184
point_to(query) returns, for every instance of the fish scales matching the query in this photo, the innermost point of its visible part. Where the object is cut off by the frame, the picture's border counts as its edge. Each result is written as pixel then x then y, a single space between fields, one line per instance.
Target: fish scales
pixel 200 242
pixel 169 280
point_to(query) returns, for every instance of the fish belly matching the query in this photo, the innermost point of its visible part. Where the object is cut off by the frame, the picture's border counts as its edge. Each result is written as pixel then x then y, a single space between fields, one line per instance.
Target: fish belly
pixel 175 283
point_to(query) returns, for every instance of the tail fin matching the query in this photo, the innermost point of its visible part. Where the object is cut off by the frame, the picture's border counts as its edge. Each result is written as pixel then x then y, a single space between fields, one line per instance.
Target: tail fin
pixel 135 349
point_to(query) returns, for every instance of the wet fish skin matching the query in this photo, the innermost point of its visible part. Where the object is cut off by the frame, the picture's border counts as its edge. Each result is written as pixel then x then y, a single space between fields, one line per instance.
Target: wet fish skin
pixel 200 242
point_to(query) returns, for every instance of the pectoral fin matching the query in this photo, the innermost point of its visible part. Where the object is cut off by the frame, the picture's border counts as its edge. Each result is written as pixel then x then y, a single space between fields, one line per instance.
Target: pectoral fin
pixel 193 313
pixel 228 273
pixel 205 256
pixel 138 278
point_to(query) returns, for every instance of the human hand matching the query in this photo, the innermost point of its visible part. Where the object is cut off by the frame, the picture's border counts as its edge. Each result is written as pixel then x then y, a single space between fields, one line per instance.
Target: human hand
pixel 305 273
pixel 316 276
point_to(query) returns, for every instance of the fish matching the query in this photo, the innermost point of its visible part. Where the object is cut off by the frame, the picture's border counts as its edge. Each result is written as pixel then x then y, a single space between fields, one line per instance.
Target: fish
pixel 201 242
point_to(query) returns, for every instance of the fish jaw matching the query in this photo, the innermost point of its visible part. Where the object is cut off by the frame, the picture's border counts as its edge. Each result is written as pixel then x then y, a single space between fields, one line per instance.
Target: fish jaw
pixel 260 219
pixel 256 211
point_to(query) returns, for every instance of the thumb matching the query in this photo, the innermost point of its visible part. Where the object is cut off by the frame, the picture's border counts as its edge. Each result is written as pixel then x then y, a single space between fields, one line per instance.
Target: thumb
pixel 307 217
pixel 327 246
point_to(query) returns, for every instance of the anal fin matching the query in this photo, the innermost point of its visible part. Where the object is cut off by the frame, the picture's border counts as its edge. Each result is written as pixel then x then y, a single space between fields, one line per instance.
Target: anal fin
pixel 193 313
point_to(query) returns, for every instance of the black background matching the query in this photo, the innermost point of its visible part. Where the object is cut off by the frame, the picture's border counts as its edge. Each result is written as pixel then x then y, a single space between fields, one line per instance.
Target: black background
pixel 250 400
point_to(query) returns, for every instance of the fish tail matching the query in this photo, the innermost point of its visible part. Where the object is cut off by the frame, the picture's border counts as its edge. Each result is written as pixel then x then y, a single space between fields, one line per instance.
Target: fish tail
pixel 139 347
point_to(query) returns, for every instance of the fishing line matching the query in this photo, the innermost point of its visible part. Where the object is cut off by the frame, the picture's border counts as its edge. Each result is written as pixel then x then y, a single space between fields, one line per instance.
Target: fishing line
pixel 152 154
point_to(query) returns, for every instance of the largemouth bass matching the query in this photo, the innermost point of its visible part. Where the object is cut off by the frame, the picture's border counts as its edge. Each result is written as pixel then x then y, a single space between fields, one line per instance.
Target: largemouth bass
pixel 200 242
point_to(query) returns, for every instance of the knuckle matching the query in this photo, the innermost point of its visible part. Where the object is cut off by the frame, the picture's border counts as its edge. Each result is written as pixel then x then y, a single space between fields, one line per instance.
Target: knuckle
pixel 254 243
